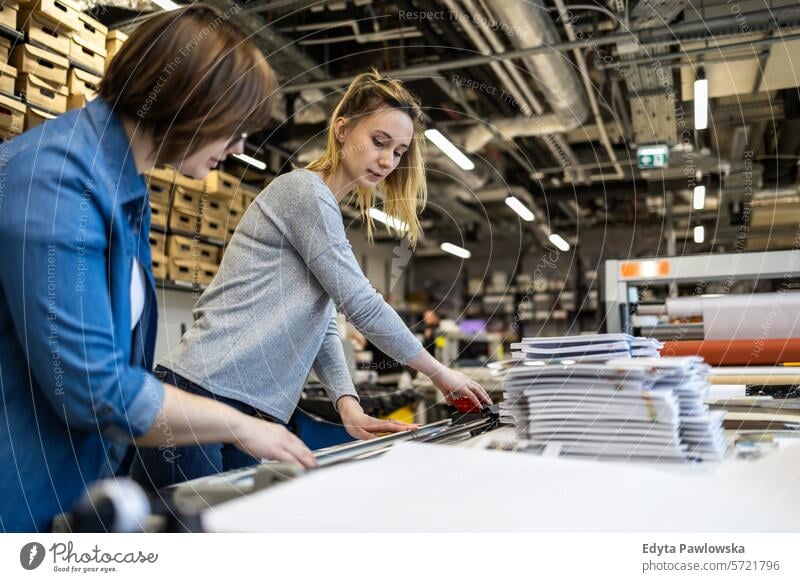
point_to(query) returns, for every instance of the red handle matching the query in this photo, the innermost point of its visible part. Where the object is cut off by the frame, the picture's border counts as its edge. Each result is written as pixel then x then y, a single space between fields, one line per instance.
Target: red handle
pixel 465 405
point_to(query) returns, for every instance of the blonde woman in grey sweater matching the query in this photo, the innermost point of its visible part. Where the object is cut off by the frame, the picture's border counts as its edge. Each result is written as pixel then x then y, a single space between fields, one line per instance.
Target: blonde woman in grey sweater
pixel 269 316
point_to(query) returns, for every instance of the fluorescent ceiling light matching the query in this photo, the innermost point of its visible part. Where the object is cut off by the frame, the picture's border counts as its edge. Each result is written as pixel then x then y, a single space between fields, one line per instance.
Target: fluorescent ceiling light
pixel 452 152
pixel 166 4
pixel 701 104
pixel 455 250
pixel 699 198
pixel 258 164
pixel 389 221
pixel 699 234
pixel 517 206
pixel 559 242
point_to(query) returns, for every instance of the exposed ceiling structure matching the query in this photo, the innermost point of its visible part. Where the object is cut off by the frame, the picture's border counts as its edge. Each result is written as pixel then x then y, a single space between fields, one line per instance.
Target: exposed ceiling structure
pixel 552 98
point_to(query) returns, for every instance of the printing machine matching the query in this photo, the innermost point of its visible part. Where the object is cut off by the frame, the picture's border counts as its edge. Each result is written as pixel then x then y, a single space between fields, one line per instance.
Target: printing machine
pixel 623 279
pixel 625 312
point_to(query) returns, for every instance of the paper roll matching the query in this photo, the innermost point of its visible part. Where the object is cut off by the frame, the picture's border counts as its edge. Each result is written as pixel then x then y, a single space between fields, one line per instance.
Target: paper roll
pixel 658 309
pixel 747 316
pixel 684 307
pixel 757 316
pixel 751 352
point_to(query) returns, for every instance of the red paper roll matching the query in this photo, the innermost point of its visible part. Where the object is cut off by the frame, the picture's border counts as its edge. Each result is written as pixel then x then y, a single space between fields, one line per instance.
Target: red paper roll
pixel 750 352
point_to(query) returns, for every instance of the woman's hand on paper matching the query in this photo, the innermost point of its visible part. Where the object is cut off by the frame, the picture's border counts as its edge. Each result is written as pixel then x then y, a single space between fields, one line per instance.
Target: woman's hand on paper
pixel 360 425
pixel 269 440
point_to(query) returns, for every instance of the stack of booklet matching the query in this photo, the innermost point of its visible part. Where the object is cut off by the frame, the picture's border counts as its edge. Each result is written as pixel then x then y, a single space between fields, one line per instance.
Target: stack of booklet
pixel 573 349
pixel 627 408
pixel 646 347
pixel 585 348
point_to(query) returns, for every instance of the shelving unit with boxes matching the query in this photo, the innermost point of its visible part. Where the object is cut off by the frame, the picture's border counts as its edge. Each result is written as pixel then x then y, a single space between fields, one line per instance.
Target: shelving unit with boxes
pixel 191 222
pixel 558 306
pixel 42 61
pixel 551 304
pixel 52 57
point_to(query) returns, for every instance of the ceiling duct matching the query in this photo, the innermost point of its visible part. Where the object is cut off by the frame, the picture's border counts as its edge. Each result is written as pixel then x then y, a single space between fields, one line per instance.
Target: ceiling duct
pixel 555 73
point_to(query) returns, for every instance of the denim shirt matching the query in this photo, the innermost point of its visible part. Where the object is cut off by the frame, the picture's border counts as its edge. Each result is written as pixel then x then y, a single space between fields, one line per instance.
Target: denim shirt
pixel 75 382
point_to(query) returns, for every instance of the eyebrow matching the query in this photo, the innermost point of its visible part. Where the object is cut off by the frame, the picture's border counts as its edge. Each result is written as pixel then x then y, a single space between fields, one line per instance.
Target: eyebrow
pixel 391 138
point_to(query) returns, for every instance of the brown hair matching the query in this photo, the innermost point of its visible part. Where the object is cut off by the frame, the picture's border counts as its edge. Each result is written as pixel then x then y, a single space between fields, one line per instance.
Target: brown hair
pixel 405 190
pixel 189 77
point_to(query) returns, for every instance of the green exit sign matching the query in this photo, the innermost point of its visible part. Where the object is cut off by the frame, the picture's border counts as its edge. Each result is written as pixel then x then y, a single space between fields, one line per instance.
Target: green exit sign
pixel 655 156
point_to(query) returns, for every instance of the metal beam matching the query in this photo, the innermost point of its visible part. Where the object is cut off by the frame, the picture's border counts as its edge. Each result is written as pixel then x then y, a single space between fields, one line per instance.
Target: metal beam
pixel 705 50
pixel 778 18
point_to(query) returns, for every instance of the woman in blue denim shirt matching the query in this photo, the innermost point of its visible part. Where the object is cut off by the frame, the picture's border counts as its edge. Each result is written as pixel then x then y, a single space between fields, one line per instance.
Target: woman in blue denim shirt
pixel 77 297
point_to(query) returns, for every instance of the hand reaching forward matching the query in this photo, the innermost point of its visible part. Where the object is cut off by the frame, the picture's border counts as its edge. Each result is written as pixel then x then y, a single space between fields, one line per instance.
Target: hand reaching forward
pixel 269 440
pixel 360 425
pixel 454 384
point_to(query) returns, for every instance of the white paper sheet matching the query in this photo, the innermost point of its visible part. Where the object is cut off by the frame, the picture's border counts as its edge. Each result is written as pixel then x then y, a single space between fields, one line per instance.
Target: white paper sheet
pixel 439 488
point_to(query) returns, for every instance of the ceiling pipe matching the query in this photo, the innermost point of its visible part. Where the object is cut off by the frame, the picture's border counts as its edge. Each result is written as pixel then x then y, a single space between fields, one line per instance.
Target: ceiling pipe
pixel 543 124
pixel 587 83
pixel 483 133
pixel 562 87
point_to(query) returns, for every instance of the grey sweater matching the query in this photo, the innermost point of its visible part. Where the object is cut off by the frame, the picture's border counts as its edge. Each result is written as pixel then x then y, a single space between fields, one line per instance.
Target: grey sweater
pixel 269 316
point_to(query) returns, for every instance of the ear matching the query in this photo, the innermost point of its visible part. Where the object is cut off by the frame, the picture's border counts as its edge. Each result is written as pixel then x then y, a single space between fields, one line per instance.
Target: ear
pixel 340 129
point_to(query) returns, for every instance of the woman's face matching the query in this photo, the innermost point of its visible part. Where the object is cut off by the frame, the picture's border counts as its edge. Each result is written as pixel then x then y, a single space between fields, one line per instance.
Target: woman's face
pixel 372 147
pixel 199 163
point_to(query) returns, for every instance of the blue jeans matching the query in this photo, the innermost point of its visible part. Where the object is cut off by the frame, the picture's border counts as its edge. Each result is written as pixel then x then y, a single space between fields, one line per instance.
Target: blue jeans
pixel 154 468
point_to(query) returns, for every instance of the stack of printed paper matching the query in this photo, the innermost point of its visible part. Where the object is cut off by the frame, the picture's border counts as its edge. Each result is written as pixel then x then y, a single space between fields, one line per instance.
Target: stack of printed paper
pixel 646 347
pixel 701 429
pixel 640 408
pixel 584 348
